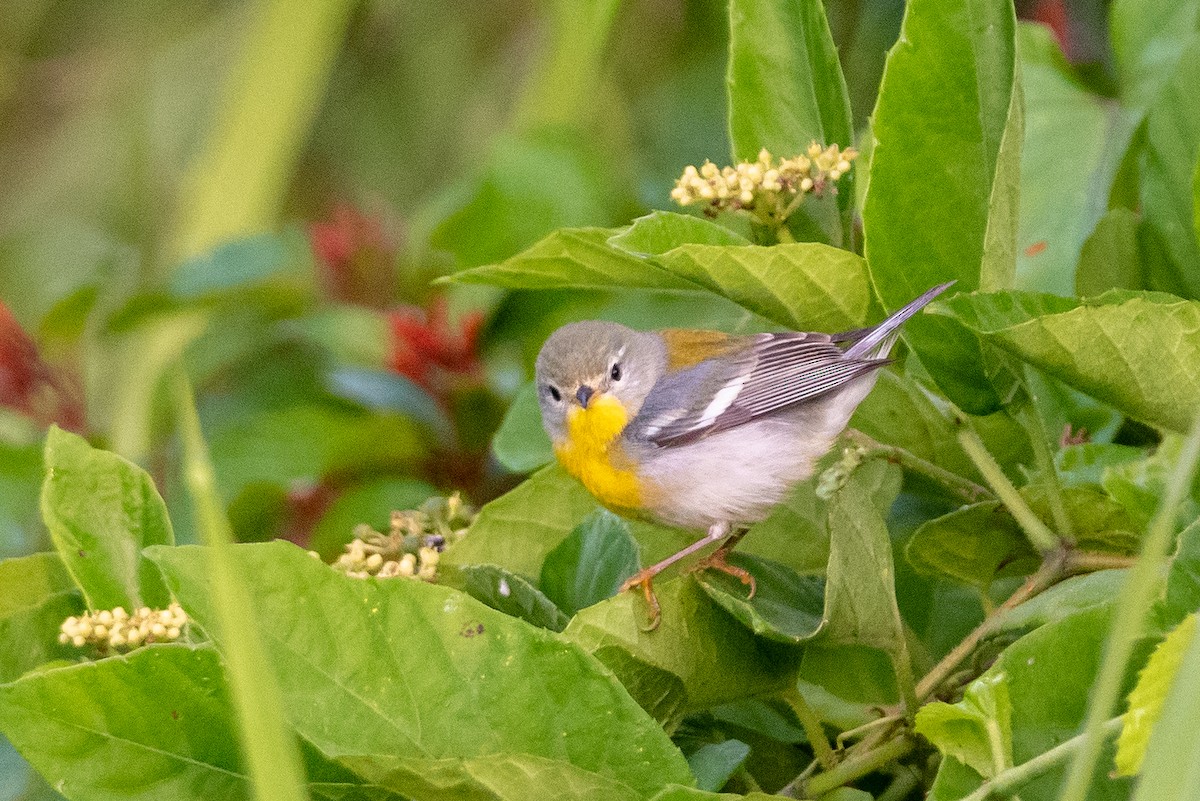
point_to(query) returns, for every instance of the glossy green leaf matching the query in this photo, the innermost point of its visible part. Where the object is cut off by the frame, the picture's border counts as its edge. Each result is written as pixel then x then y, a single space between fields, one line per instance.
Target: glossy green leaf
pixel 1171 768
pixel 947 130
pixel 660 231
pixel 860 594
pixel 1172 146
pixel 786 88
pixel 521 443
pixel 678 793
pixel 1074 142
pixel 1109 258
pixel 1139 352
pixel 468 682
pixel 513 595
pixel 574 258
pixel 803 286
pixel 101 511
pixel 591 564
pixel 786 606
pixel 977 730
pixel 1146 701
pixel 507 777
pixel 715 658
pixel 714 763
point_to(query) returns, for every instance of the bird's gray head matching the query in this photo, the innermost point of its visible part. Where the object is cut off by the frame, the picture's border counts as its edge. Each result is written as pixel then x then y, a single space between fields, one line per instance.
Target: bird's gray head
pixel 582 362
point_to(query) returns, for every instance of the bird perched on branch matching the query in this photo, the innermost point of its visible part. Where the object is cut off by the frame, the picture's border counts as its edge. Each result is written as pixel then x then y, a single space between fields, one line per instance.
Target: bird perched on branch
pixel 700 429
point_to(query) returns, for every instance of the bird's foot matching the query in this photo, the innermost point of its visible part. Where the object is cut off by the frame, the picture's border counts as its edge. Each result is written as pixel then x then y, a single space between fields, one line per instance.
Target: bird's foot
pixel 717 561
pixel 644 579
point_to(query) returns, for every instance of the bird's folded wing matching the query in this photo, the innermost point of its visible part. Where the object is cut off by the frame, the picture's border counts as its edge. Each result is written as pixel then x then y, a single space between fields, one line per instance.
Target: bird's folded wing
pixel 774 372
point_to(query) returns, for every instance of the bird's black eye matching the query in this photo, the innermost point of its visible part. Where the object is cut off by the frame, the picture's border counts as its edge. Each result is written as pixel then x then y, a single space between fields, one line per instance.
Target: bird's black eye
pixel 554 393
pixel 616 372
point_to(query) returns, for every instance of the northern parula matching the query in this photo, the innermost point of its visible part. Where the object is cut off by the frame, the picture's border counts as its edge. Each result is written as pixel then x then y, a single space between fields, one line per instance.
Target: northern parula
pixel 700 429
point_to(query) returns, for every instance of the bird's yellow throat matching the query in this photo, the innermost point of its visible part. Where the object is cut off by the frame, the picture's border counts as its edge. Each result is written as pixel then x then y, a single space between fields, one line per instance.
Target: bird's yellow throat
pixel 592 454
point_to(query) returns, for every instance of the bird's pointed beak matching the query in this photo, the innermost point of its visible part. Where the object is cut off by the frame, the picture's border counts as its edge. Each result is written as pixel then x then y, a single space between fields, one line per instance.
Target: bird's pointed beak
pixel 584 394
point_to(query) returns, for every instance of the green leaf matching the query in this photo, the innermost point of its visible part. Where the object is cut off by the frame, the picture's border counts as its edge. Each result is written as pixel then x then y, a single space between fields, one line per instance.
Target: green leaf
pixel 371 503
pixel 660 231
pixel 715 658
pixel 29 636
pixel 509 593
pixel 796 533
pixel 786 606
pixel 714 763
pixel 1109 258
pixel 1150 694
pixel 1139 352
pixel 1169 770
pixel 1148 40
pixel 803 286
pixel 977 730
pixel 574 258
pixel 860 594
pixel 591 564
pixel 29 580
pixel 678 793
pixel 947 130
pixel 521 443
pixel 237 264
pixel 154 724
pixel 1183 579
pixel 1088 462
pixel 1064 600
pixel 1172 146
pixel 1139 485
pixel 468 682
pixel 786 88
pixel 101 511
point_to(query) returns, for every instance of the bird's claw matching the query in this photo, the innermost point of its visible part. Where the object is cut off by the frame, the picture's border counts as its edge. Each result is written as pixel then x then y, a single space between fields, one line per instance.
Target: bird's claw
pixel 645 580
pixel 717 561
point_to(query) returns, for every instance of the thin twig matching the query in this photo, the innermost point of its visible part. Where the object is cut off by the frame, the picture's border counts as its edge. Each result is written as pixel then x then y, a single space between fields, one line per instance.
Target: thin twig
pixel 851 768
pixel 812 727
pixel 965 488
pixel 1031 421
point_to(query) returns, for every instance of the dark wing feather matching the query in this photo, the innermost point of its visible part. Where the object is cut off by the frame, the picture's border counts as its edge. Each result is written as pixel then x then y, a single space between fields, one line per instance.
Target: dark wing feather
pixel 776 371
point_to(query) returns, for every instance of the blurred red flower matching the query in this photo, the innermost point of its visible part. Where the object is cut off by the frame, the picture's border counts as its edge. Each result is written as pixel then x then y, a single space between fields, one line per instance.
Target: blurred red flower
pixel 424 344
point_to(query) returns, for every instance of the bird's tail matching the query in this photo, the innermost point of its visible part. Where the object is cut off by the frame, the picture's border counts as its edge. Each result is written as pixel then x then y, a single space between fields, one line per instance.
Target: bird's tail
pixel 875 342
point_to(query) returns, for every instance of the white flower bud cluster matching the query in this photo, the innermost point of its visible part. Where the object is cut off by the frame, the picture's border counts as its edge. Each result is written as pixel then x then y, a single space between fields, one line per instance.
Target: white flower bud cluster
pixel 769 189
pixel 413 546
pixel 116 628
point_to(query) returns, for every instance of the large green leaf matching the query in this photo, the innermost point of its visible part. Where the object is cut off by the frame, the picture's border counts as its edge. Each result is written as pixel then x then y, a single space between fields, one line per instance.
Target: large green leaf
pixel 1172 145
pixel 1171 769
pixel 1109 258
pixel 1183 580
pixel 941 202
pixel 513 595
pixel 660 231
pixel 804 286
pixel 101 511
pixel 786 87
pixel 574 258
pixel 1148 40
pixel 591 564
pixel 1139 352
pixel 715 658
pixel 521 443
pixel 786 606
pixel 425 670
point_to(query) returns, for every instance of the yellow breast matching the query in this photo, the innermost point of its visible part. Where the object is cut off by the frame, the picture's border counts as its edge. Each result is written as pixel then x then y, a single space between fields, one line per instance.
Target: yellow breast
pixel 593 455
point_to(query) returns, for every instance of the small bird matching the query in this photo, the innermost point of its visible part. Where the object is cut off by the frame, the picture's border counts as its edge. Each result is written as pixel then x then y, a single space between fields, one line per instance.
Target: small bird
pixel 700 429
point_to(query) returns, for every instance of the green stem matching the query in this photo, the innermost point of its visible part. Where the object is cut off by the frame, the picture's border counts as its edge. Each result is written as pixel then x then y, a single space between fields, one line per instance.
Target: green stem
pixel 1005 782
pixel 905 681
pixel 965 488
pixel 812 727
pixel 902 786
pixel 855 767
pixel 270 748
pixel 1137 596
pixel 1032 423
pixel 1043 539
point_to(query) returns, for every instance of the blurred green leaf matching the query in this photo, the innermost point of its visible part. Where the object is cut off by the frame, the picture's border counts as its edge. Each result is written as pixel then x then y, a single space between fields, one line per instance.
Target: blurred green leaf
pixel 372 503
pixel 469 682
pixel 795 534
pixel 574 258
pixel 241 263
pixel 521 443
pixel 714 763
pixel 1169 770
pixel 351 334
pixel 28 580
pixel 860 596
pixel 947 131
pixel 1111 347
pixel 715 658
pixel 1064 600
pixel 1139 485
pixel 1146 700
pixel 977 730
pixel 660 231
pixel 1172 145
pixel 101 511
pixel 786 89
pixel 591 564
pixel 21 472
pixel 381 389
pixel 786 607
pixel 1148 41
pixel 1183 580
pixel 29 635
pixel 803 286
pixel 1086 463
pixel 513 595
pixel 1109 257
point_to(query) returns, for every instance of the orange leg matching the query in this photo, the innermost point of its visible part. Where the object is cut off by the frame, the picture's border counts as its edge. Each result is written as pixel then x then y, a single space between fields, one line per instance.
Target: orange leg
pixel 717 561
pixel 645 578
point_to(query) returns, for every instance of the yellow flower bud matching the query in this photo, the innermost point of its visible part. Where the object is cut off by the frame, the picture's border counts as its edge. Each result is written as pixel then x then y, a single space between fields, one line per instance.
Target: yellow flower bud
pixel 105 617
pixel 158 630
pixel 806 185
pixel 173 633
pixel 709 170
pixel 78 641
